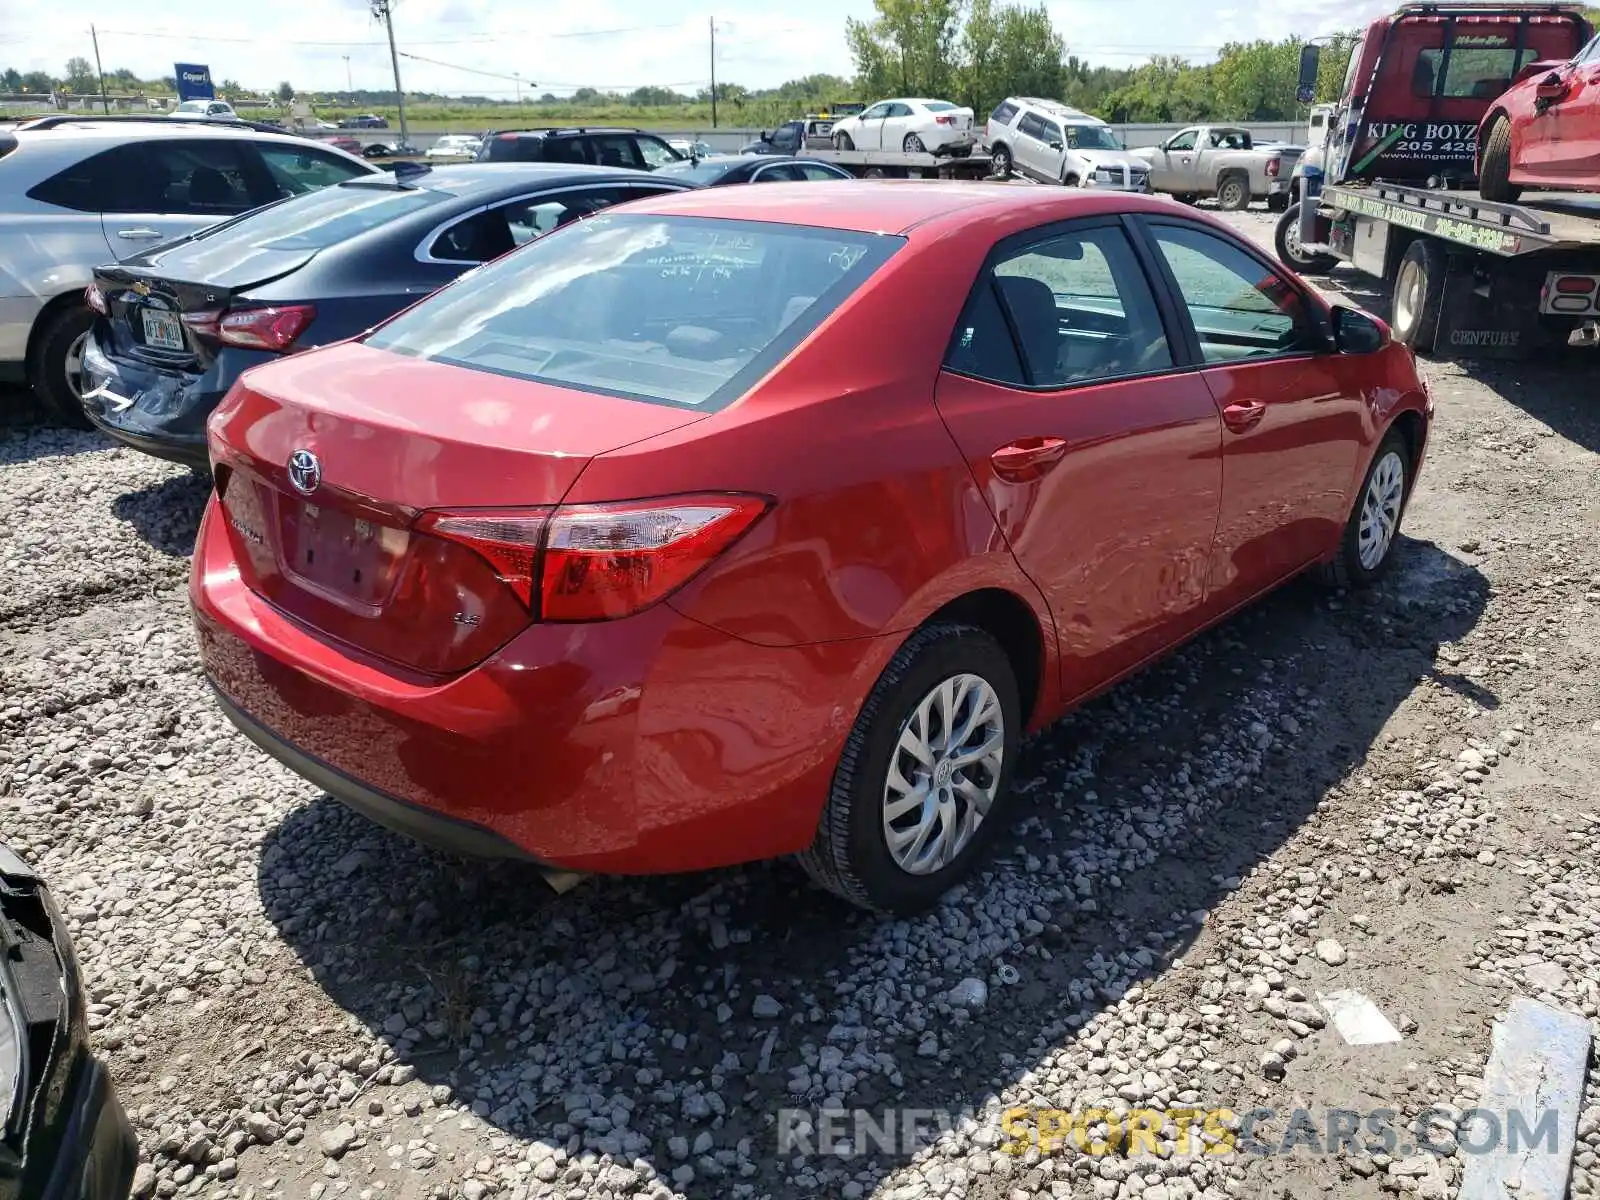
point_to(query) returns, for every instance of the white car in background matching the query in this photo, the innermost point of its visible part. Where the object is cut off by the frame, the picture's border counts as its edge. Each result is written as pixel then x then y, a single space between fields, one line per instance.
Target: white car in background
pixel 1047 141
pixel 911 126
pixel 204 110
pixel 454 145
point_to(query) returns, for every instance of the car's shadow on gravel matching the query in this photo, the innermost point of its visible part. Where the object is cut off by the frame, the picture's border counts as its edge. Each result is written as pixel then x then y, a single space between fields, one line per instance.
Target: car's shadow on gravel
pixel 668 1021
pixel 167 514
pixel 28 433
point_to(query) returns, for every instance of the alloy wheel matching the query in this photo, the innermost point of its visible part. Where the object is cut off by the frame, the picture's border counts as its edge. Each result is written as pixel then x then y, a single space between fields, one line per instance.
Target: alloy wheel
pixel 1380 510
pixel 72 367
pixel 944 774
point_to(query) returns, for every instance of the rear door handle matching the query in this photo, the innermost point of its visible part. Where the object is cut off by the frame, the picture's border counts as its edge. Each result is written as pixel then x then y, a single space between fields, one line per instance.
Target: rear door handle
pixel 138 235
pixel 1242 416
pixel 1027 458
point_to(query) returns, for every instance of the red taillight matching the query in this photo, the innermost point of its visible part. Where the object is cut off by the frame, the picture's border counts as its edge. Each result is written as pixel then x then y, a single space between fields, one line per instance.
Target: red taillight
pixel 507 538
pixel 1273 166
pixel 598 562
pixel 945 120
pixel 95 298
pixel 603 561
pixel 261 328
pixel 1576 285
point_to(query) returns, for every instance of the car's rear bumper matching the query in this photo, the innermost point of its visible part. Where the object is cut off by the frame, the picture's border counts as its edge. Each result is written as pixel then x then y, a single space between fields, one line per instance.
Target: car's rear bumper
pixel 158 412
pixel 647 744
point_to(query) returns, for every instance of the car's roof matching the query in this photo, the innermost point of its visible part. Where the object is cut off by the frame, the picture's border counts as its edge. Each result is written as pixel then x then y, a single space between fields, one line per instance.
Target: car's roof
pixel 882 206
pixel 154 128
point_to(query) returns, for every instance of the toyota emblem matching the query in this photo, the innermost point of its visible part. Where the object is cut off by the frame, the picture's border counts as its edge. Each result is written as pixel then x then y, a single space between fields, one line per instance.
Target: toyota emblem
pixel 305 472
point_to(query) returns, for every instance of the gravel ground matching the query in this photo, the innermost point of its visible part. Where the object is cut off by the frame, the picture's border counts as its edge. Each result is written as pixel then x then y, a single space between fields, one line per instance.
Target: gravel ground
pixel 1391 792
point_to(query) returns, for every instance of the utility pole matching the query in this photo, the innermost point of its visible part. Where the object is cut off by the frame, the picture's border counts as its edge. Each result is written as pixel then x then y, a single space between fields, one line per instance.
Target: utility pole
pixel 380 8
pixel 349 80
pixel 712 21
pixel 105 103
pixel 518 79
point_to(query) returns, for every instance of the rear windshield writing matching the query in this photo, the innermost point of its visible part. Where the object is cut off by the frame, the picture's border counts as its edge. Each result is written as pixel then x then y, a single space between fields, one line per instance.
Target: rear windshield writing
pixel 682 310
pixel 326 217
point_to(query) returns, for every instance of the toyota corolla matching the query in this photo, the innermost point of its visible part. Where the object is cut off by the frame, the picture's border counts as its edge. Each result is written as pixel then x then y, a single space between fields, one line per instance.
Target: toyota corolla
pixel 764 521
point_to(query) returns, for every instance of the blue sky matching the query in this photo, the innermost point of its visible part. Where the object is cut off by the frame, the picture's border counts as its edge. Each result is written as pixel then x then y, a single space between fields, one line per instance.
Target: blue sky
pixel 478 45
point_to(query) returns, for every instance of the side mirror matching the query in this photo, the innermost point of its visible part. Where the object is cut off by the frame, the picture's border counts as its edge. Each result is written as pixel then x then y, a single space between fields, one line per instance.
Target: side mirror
pixel 765 136
pixel 1357 332
pixel 1551 87
pixel 1310 68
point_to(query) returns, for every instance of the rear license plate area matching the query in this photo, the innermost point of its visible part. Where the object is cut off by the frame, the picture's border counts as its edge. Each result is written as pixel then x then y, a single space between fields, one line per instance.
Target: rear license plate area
pixel 161 329
pixel 338 554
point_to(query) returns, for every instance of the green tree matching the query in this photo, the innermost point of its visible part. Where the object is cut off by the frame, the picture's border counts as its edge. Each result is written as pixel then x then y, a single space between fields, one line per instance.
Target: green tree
pixel 1256 81
pixel 38 83
pixel 81 78
pixel 285 92
pixel 653 97
pixel 11 80
pixel 909 49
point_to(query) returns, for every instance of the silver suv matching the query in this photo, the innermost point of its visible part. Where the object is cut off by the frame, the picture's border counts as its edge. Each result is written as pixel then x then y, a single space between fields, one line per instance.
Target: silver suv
pixel 1052 143
pixel 77 193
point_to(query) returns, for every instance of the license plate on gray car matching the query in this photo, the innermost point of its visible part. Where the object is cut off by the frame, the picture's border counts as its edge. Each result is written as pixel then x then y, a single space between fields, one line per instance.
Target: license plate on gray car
pixel 161 330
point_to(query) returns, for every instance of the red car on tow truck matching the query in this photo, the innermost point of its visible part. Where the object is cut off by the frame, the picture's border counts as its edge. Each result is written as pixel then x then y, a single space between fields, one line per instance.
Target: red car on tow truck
pixel 1545 131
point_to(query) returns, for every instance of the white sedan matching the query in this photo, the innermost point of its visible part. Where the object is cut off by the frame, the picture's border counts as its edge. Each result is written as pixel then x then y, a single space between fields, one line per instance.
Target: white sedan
pixel 204 110
pixel 454 145
pixel 913 126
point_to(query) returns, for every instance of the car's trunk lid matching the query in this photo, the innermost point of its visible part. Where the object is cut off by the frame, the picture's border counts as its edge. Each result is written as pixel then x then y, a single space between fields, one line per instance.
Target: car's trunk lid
pixel 325 462
pixel 163 306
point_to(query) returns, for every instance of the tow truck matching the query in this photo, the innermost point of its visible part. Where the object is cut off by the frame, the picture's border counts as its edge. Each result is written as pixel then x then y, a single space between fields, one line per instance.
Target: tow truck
pixel 1392 189
pixel 812 137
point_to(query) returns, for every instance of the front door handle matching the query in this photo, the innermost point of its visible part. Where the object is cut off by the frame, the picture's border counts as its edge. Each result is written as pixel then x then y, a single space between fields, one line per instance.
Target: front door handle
pixel 1245 415
pixel 138 235
pixel 1027 458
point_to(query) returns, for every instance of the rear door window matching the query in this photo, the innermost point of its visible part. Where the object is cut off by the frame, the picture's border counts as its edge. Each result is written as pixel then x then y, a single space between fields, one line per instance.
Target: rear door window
pixel 617 150
pixel 188 176
pixel 1032 126
pixel 533 217
pixel 655 153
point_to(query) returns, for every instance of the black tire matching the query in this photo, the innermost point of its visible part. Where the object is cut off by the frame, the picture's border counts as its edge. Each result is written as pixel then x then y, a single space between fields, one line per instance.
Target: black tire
pixel 850 855
pixel 1070 181
pixel 1419 294
pixel 843 141
pixel 1000 160
pixel 1233 193
pixel 1287 241
pixel 1494 180
pixel 1345 569
pixel 48 369
pixel 1186 197
pixel 1278 202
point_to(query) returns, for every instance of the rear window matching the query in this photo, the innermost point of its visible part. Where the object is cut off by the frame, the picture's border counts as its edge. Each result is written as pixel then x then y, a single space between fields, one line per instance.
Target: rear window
pixel 703 171
pixel 938 106
pixel 324 218
pixel 511 147
pixel 679 310
pixel 1471 73
pixel 1003 113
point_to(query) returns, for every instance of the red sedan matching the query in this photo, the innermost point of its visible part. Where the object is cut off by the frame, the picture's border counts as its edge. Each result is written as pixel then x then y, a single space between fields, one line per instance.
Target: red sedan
pixel 764 521
pixel 1545 131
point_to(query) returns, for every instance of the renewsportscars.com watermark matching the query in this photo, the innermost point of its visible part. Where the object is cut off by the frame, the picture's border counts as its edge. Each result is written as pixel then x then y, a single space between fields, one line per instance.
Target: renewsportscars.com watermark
pixel 852 1133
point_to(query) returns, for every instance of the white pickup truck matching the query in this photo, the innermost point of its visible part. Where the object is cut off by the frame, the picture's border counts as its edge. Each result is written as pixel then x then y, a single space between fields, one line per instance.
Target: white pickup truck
pixel 1222 161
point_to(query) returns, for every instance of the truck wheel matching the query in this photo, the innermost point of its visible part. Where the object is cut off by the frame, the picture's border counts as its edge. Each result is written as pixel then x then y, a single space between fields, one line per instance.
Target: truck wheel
pixel 1418 294
pixel 1287 240
pixel 1233 193
pixel 1000 161
pixel 841 141
pixel 913 144
pixel 56 369
pixel 1070 181
pixel 1494 181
